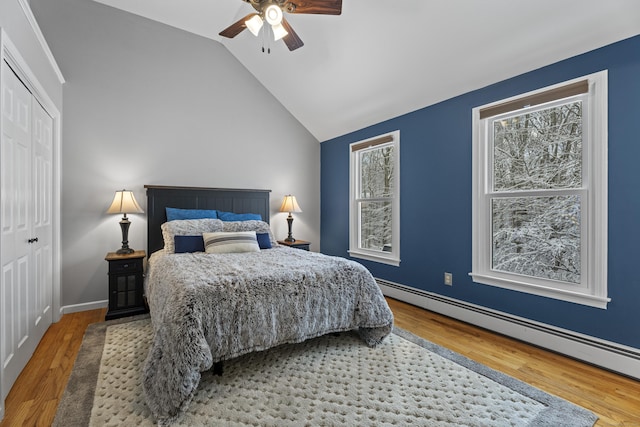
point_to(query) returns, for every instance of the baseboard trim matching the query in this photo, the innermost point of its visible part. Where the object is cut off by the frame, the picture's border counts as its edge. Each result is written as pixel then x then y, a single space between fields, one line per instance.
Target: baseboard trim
pixel 74 308
pixel 606 354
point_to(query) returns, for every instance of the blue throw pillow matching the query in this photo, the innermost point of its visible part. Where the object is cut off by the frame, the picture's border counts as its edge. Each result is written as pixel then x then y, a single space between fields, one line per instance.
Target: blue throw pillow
pixel 230 216
pixel 263 240
pixel 189 244
pixel 175 213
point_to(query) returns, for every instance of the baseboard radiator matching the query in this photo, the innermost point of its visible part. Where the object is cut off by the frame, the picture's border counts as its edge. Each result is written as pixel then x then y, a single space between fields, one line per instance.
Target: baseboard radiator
pixel 608 355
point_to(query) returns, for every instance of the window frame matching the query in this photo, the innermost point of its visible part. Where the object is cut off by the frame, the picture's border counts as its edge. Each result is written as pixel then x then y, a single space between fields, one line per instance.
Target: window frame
pixel 592 290
pixel 392 257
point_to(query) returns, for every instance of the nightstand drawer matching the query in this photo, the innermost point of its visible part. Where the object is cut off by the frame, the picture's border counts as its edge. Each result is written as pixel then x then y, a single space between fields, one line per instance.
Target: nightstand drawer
pixel 125 266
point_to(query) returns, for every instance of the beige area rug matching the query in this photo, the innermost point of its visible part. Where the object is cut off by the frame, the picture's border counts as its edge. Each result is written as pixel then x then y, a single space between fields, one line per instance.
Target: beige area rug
pixel 335 380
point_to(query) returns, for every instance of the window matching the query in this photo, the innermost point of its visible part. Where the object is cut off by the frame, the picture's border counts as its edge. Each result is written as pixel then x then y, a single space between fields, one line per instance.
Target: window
pixel 540 192
pixel 374 210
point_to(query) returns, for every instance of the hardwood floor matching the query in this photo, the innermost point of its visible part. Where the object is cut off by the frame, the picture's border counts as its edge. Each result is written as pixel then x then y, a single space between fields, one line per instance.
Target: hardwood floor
pixel 34 398
pixel 614 398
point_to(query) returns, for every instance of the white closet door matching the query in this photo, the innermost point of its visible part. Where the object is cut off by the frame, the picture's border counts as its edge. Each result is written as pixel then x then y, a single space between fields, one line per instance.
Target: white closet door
pixel 42 140
pixel 25 281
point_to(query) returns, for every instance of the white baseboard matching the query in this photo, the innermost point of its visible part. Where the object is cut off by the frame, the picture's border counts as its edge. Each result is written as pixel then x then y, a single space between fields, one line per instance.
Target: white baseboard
pixel 606 354
pixel 94 305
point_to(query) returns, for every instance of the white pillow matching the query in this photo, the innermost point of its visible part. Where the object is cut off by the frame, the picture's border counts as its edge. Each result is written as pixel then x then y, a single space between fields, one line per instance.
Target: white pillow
pixel 230 242
pixel 187 227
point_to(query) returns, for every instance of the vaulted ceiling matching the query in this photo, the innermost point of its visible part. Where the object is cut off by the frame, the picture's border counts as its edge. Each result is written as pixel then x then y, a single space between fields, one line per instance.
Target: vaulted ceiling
pixel 381 59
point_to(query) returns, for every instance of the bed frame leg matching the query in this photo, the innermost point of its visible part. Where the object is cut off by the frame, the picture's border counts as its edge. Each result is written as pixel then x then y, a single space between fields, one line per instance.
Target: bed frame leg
pixel 217 368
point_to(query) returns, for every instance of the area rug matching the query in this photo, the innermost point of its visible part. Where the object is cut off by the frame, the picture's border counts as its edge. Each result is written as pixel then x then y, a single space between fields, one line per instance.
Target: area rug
pixel 334 380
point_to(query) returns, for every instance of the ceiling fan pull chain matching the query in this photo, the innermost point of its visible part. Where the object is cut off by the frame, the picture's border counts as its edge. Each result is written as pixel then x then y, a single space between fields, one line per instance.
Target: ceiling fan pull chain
pixel 266 38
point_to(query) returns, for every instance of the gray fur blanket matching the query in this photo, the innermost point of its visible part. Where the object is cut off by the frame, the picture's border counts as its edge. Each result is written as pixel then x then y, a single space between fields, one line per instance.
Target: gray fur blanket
pixel 207 308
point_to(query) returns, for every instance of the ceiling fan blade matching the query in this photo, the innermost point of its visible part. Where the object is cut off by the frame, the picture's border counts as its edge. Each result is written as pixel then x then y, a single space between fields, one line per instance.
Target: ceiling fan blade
pixel 236 28
pixel 319 7
pixel 292 40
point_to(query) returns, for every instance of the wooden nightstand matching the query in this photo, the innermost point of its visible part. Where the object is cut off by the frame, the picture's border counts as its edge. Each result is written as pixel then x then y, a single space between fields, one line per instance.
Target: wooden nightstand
pixel 126 284
pixel 298 244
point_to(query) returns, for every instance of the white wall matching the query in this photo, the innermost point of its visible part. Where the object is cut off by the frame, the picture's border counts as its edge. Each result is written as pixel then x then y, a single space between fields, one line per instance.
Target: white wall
pixel 14 22
pixel 146 103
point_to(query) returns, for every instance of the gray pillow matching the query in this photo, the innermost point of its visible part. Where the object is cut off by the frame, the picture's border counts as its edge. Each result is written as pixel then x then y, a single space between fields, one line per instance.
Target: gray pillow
pixel 187 227
pixel 250 225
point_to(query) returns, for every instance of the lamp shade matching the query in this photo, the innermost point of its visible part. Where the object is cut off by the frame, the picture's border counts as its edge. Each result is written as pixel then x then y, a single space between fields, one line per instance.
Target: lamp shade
pixel 254 24
pixel 273 14
pixel 278 32
pixel 290 204
pixel 124 202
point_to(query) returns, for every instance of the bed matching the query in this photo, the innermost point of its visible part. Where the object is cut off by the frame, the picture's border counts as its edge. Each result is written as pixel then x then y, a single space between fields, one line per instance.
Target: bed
pixel 210 307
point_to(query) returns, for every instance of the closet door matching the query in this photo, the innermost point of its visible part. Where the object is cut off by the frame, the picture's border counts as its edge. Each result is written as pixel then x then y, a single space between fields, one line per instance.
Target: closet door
pixel 42 223
pixel 25 281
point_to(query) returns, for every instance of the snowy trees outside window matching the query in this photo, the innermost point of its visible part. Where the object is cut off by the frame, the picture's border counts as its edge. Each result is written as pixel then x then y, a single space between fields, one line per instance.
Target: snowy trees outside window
pixel 540 150
pixel 540 192
pixel 376 192
pixel 374 209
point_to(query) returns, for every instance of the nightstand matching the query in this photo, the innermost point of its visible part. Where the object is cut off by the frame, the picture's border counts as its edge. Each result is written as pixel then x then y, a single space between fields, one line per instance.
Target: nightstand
pixel 126 283
pixel 298 244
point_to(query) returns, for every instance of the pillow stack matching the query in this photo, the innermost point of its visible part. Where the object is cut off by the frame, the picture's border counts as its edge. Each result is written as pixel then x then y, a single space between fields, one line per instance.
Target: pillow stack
pixel 185 228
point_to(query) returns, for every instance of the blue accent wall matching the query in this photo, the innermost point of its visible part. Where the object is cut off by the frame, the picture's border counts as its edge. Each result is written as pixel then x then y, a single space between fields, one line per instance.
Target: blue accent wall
pixel 435 181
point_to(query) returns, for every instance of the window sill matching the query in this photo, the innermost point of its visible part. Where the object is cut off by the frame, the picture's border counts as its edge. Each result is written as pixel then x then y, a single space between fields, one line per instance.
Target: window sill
pixel 372 256
pixel 559 294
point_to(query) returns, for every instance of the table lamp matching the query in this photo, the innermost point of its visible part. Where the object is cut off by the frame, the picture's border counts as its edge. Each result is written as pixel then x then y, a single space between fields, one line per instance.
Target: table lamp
pixel 124 202
pixel 290 204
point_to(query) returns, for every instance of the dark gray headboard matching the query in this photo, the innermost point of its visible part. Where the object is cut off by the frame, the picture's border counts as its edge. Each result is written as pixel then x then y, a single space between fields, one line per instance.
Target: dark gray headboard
pixel 223 199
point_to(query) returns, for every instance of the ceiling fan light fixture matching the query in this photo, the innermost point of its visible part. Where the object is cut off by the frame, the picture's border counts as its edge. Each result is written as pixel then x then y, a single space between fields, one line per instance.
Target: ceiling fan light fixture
pixel 279 32
pixel 273 15
pixel 272 12
pixel 254 24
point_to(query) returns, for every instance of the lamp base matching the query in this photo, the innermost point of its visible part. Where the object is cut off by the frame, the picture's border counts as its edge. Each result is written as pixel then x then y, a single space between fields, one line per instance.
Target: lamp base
pixel 290 223
pixel 124 225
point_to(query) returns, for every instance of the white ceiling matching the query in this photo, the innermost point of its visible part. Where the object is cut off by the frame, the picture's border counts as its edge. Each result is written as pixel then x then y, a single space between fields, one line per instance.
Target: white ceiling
pixel 381 59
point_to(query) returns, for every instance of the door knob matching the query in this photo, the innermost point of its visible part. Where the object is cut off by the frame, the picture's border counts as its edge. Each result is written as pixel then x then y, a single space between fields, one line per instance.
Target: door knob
pixel 35 239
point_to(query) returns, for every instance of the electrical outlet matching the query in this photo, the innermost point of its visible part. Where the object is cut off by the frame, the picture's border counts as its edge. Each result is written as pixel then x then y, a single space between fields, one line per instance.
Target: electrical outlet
pixel 448 279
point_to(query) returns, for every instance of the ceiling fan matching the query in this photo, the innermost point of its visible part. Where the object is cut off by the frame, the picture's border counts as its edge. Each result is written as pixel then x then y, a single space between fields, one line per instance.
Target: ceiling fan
pixel 272 12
